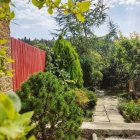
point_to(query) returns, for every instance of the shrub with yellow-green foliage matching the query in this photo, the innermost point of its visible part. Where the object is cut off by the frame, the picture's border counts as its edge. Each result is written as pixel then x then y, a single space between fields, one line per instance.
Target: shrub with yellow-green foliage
pixel 81 98
pixel 92 98
pixel 85 98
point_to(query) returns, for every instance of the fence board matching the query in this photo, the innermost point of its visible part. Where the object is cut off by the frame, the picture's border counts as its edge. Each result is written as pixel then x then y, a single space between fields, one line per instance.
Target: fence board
pixel 27 60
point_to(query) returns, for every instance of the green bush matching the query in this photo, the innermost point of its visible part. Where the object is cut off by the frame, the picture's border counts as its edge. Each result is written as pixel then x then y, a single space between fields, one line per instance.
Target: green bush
pixel 130 111
pixel 13 126
pixel 54 103
pixel 68 61
pixel 85 98
pixel 81 98
pixel 92 97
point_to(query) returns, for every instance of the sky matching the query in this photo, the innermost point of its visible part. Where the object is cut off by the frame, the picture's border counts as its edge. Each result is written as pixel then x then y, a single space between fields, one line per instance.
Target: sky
pixel 34 23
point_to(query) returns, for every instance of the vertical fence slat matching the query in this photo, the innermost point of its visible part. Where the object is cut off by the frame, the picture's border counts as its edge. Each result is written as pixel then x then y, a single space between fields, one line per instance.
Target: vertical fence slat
pixel 27 60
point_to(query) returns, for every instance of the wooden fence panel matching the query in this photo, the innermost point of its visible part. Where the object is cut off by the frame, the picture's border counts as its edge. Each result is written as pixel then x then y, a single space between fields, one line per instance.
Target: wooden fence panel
pixel 27 60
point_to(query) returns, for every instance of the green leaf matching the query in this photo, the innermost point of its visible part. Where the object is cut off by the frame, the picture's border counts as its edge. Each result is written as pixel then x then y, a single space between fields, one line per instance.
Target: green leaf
pixel 70 4
pixel 12 15
pixel 84 6
pixel 48 2
pixel 50 11
pixel 9 60
pixel 15 99
pixel 3 41
pixel 9 107
pixel 3 114
pixel 24 118
pixel 2 15
pixel 9 73
pixel 12 131
pixel 2 51
pixel 57 2
pixel 38 4
pixel 32 138
pixel 35 2
pixel 66 12
pixel 80 17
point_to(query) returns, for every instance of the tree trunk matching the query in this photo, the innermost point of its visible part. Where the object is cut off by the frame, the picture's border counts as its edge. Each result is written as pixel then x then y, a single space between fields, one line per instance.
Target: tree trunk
pixel 132 91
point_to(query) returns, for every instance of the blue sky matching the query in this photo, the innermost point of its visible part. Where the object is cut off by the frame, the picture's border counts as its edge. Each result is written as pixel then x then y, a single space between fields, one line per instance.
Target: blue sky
pixel 34 23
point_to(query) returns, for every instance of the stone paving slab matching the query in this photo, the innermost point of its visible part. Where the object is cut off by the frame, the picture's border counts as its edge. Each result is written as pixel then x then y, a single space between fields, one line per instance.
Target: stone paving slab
pixel 99 108
pixel 111 129
pixel 100 119
pixel 111 107
pixel 106 110
pixel 100 113
pixel 116 119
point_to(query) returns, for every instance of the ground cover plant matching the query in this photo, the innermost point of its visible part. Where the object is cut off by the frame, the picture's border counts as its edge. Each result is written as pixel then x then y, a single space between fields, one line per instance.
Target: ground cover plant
pixel 87 100
pixel 54 104
pixel 130 110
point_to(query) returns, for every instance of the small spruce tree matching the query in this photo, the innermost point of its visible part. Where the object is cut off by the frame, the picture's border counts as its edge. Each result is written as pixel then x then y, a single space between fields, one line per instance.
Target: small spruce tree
pixel 68 60
pixel 54 104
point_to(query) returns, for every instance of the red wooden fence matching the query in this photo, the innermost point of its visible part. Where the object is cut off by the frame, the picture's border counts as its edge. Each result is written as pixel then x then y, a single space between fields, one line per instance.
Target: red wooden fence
pixel 27 60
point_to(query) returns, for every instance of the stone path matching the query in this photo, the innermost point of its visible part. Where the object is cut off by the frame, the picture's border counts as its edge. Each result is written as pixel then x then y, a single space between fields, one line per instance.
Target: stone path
pixel 106 110
pixel 108 123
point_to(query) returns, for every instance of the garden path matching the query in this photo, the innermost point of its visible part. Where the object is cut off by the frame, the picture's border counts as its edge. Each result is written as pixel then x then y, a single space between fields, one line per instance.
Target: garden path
pixel 106 110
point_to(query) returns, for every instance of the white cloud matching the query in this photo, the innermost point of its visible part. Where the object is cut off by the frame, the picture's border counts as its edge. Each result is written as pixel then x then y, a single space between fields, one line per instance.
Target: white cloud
pixel 25 27
pixel 112 3
pixel 28 16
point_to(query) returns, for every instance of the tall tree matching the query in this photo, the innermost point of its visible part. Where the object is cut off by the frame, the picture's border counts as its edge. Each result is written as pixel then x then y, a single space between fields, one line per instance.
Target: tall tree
pixel 72 27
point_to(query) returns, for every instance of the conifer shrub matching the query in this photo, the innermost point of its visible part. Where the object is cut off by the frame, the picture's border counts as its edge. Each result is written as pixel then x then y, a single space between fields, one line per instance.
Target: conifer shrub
pixel 68 62
pixel 54 103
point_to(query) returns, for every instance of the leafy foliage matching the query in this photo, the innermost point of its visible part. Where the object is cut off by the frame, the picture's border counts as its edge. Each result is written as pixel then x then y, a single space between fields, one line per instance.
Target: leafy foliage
pixel 3 60
pixel 124 63
pixel 81 35
pixel 5 13
pixel 92 98
pixel 128 54
pixel 77 8
pixel 54 104
pixel 13 126
pixel 92 64
pixel 131 111
pixel 71 27
pixel 86 98
pixel 81 98
pixel 68 61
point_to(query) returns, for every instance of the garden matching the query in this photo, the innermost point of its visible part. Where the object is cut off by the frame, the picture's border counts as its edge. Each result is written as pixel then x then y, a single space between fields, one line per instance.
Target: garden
pixel 53 104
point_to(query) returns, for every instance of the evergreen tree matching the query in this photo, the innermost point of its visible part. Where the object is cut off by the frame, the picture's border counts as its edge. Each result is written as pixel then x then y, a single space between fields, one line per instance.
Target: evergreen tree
pixel 68 60
pixel 54 103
